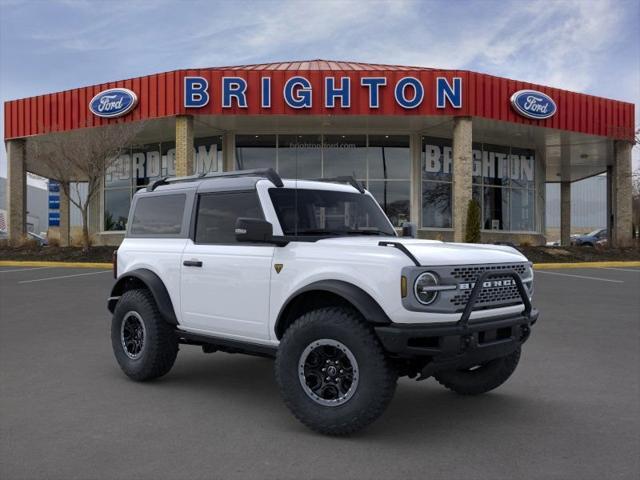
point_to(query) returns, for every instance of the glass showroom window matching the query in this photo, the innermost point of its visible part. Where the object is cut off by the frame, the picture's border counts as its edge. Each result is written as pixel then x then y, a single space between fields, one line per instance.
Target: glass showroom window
pixel 389 173
pixel 436 182
pixel 495 178
pixel 344 155
pixel 117 193
pixel 381 162
pixel 142 164
pixel 523 193
pixel 256 151
pixel 505 175
pixel 300 156
pixel 503 184
pixel 208 154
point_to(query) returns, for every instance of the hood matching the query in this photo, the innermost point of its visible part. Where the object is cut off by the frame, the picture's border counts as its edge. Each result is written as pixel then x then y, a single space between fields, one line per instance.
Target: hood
pixel 434 252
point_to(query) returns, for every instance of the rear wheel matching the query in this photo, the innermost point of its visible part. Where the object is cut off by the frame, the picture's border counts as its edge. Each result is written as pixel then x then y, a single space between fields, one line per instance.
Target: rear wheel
pixel 332 372
pixel 481 378
pixel 143 344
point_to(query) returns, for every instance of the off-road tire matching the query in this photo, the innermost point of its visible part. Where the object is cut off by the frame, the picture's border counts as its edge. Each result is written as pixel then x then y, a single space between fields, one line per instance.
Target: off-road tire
pixel 481 379
pixel 376 375
pixel 160 346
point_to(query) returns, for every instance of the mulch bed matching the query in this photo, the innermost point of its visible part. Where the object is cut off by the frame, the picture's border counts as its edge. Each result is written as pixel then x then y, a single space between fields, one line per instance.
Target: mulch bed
pixel 535 254
pixel 56 254
pixel 579 254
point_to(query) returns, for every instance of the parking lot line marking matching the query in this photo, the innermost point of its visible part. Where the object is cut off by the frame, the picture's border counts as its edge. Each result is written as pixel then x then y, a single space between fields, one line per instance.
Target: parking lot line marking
pixel 24 269
pixel 29 263
pixel 581 276
pixel 621 269
pixel 64 276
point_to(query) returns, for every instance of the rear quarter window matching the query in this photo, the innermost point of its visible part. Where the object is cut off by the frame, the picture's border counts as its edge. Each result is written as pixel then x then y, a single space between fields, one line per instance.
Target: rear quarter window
pixel 158 215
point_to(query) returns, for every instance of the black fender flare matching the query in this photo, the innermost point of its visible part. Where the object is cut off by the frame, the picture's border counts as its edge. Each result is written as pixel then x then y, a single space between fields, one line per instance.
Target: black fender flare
pixel 361 300
pixel 153 283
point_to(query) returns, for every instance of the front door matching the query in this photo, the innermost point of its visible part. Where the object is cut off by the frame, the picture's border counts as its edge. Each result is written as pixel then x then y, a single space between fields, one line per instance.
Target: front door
pixel 225 285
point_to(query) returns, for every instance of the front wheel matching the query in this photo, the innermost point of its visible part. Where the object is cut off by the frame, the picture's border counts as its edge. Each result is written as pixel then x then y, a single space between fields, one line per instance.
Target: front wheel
pixel 481 378
pixel 332 372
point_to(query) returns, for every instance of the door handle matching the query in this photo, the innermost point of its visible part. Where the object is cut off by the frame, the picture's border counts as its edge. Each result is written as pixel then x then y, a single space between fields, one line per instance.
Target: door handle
pixel 192 263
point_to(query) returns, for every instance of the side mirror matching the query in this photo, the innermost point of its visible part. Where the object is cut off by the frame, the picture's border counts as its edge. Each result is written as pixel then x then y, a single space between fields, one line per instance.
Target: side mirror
pixel 253 230
pixel 256 230
pixel 409 230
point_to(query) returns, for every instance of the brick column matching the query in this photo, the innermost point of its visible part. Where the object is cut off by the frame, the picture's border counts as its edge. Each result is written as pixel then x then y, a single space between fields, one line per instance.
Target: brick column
pixel 462 174
pixel 184 146
pixel 65 216
pixel 415 210
pixel 565 213
pixel 16 191
pixel 621 184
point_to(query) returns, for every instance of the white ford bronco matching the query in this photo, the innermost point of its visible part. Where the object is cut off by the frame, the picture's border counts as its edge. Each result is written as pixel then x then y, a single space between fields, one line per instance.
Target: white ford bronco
pixel 313 274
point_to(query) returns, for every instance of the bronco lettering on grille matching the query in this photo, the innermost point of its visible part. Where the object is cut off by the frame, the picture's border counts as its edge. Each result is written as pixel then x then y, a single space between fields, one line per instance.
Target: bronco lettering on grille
pixel 489 284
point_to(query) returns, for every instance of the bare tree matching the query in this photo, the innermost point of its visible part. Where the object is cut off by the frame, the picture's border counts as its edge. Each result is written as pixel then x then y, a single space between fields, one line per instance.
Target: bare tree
pixel 82 156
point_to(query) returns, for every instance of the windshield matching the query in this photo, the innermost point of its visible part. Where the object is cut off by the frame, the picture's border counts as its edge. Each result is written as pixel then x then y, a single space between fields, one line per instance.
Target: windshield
pixel 594 233
pixel 328 213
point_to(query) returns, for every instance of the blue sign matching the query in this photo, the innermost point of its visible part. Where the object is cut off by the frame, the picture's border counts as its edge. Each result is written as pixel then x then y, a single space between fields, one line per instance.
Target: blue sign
pixel 533 104
pixel 54 203
pixel 114 102
pixel 54 219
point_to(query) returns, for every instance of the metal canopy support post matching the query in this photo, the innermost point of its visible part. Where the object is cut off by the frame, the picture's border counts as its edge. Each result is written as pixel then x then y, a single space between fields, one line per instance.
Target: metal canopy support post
pixel 565 213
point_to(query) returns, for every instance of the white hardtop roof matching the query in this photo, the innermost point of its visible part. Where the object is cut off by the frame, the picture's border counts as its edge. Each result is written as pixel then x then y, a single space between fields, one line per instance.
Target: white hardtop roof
pixel 316 185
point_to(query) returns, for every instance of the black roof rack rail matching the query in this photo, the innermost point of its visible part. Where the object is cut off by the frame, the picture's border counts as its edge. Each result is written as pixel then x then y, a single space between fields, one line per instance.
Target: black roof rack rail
pixel 268 173
pixel 344 179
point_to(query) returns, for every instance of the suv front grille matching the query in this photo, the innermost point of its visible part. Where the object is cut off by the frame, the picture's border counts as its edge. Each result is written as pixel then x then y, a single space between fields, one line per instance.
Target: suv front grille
pixel 489 297
pixel 469 274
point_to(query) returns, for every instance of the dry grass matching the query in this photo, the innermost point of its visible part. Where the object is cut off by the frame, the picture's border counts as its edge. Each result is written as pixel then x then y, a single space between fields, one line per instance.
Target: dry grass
pixel 54 241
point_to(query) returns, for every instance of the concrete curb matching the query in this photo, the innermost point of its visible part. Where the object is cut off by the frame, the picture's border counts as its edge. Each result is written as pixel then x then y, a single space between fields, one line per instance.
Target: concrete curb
pixel 549 266
pixel 105 265
pixel 28 263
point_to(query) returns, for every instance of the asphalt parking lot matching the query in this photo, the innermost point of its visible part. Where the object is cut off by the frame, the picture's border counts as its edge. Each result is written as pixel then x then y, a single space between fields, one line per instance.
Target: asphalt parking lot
pixel 571 411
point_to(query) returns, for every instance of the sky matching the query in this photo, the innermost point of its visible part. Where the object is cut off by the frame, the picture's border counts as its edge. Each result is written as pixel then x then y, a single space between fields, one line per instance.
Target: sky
pixel 581 45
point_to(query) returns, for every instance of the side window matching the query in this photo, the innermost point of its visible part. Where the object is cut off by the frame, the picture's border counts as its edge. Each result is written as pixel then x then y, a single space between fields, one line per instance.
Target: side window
pixel 218 213
pixel 158 215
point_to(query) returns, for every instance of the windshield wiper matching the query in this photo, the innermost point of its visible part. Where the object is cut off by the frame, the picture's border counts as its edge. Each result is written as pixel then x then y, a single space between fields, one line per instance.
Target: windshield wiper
pixel 319 231
pixel 367 232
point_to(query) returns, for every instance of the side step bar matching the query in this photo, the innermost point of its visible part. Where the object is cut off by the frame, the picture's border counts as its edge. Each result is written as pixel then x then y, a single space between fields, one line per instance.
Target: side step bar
pixel 211 344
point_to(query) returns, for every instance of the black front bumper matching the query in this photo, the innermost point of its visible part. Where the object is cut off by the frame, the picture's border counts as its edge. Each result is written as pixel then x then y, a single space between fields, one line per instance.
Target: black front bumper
pixel 465 343
pixel 449 346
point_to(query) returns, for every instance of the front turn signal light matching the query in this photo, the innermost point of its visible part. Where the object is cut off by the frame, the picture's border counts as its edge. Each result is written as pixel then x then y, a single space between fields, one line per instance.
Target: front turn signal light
pixel 403 286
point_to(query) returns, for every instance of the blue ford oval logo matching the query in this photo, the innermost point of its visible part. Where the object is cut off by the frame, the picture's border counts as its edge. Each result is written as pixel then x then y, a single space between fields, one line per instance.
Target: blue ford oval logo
pixel 114 102
pixel 533 104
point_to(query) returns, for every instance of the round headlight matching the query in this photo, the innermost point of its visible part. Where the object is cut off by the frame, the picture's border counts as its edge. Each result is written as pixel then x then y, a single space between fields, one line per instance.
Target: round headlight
pixel 421 288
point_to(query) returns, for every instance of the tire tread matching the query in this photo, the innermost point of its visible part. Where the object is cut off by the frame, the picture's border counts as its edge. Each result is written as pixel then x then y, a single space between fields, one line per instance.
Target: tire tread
pixel 328 317
pixel 162 349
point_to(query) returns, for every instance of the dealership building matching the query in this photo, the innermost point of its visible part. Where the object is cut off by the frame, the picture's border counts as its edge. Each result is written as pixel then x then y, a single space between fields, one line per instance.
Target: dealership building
pixel 423 141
